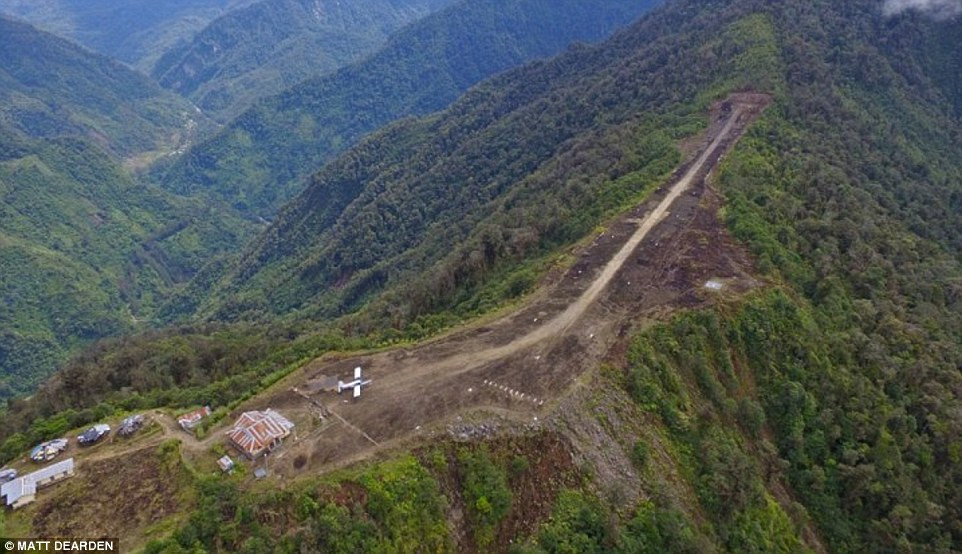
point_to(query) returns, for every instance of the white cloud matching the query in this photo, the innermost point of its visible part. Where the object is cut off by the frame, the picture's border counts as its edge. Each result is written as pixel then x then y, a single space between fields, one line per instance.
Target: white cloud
pixel 940 9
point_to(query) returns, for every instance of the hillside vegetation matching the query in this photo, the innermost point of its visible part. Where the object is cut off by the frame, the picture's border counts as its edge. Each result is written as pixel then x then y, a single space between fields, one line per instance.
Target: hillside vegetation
pixel 819 413
pixel 85 251
pixel 264 48
pixel 260 160
pixel 50 87
pixel 134 31
pixel 429 209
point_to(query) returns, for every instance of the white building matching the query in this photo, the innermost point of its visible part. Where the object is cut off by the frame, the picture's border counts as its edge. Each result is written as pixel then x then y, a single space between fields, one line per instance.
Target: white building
pixel 23 490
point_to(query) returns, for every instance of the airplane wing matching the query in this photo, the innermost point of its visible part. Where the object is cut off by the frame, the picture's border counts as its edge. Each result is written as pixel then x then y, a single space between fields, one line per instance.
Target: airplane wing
pixel 357 390
pixel 357 373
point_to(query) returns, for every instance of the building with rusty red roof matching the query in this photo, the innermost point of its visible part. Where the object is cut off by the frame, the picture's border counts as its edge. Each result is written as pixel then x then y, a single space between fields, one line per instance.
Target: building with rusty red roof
pixel 191 420
pixel 257 433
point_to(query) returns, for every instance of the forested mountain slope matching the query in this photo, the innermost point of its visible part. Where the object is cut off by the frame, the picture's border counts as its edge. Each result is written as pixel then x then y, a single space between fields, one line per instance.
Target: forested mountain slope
pixel 50 87
pixel 260 160
pixel 137 32
pixel 264 48
pixel 822 412
pixel 846 192
pixel 85 251
pixel 494 176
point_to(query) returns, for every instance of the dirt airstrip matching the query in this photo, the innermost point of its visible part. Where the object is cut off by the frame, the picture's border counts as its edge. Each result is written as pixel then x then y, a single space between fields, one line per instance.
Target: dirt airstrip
pixel 651 261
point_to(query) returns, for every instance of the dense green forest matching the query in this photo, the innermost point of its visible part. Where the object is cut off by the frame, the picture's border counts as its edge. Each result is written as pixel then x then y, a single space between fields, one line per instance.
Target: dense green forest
pixel 50 87
pixel 133 31
pixel 260 160
pixel 821 409
pixel 85 251
pixel 271 45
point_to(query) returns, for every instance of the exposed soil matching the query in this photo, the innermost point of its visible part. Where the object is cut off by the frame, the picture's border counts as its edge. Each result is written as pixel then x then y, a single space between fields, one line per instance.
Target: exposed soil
pixel 651 261
pixel 510 373
pixel 547 467
pixel 102 500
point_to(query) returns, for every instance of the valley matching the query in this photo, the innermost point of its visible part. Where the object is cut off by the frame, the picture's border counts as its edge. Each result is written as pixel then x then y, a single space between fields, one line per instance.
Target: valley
pixel 508 371
pixel 692 289
pixel 651 261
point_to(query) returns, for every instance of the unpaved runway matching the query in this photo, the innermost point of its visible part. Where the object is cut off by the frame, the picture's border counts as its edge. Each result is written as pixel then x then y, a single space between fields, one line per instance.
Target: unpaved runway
pixel 469 360
pixel 648 262
pixel 562 322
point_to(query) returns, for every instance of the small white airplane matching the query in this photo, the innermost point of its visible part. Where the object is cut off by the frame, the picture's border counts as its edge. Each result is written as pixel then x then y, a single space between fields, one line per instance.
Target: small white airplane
pixel 356 384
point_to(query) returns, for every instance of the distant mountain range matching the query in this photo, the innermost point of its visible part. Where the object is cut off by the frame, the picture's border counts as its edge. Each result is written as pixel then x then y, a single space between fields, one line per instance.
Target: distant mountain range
pixel 266 47
pixel 259 161
pixel 137 32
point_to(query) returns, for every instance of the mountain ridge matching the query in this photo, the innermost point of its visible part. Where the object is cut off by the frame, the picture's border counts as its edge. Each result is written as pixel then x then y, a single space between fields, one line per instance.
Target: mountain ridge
pixel 816 410
pixel 53 87
pixel 265 47
pixel 259 163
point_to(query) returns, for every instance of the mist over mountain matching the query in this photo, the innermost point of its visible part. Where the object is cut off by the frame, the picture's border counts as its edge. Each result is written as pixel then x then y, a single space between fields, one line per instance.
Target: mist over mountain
pixel 940 9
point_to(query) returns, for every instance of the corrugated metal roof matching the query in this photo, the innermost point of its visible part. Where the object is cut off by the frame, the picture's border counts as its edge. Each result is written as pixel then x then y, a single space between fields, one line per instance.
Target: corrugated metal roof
pixel 27 485
pixel 254 432
pixel 191 419
pixel 51 470
pixel 225 463
pixel 94 434
pixel 131 424
pixel 48 450
pixel 17 488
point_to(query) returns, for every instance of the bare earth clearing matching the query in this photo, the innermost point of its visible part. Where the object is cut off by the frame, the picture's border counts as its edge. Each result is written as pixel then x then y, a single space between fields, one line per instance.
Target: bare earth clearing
pixel 651 261
pixel 518 368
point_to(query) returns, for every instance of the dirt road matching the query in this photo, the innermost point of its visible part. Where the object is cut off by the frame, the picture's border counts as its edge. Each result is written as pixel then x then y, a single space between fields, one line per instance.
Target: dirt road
pixel 649 262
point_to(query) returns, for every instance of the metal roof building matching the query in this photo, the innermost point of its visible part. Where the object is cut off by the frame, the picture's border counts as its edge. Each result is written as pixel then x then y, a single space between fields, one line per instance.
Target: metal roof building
pixel 191 419
pixel 225 463
pixel 256 433
pixel 23 490
pixel 131 425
